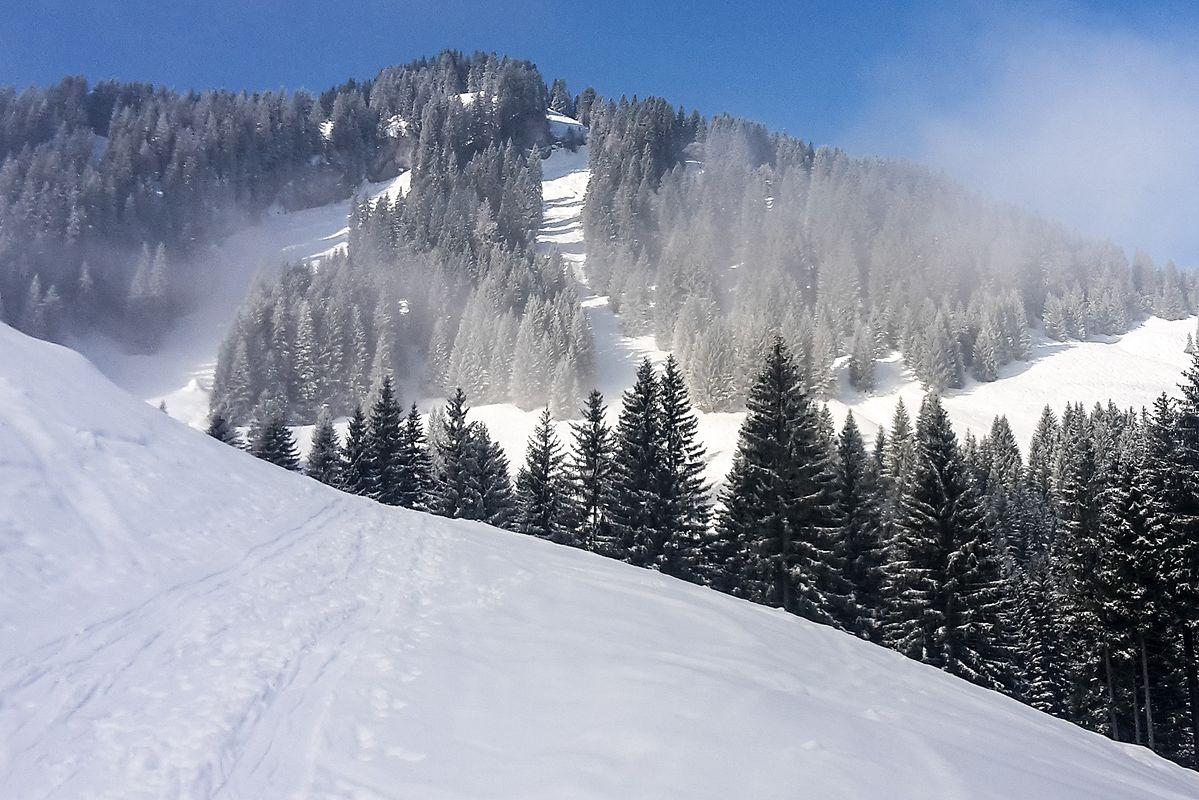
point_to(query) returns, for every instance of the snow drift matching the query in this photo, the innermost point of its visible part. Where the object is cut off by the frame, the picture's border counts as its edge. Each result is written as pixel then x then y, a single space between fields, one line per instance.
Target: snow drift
pixel 178 619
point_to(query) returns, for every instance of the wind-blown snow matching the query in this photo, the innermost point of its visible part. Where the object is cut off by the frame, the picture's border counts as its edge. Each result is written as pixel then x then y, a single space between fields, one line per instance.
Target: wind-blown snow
pixel 181 620
pixel 180 373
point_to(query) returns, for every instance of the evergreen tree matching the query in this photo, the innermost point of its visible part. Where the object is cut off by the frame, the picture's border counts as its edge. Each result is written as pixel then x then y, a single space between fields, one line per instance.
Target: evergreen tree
pixel 778 501
pixel 414 486
pixel 357 476
pixel 540 487
pixel 220 429
pixel 681 491
pixel 324 457
pixel 589 476
pixel 458 492
pixel 383 447
pixel 948 605
pixel 273 440
pixel 859 543
pixel 489 479
pixel 632 510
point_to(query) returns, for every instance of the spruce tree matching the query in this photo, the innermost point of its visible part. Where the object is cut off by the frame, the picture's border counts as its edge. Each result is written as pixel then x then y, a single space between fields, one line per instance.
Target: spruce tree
pixel 324 457
pixel 458 492
pixel 383 447
pixel 357 475
pixel 681 491
pixel 778 504
pixel 1180 551
pixel 541 501
pixel 860 539
pixel 489 479
pixel 414 477
pixel 274 442
pixel 220 429
pixel 632 510
pixel 589 476
pixel 948 606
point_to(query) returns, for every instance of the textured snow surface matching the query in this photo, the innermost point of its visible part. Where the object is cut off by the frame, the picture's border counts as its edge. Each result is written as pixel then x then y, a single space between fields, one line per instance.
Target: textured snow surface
pixel 180 620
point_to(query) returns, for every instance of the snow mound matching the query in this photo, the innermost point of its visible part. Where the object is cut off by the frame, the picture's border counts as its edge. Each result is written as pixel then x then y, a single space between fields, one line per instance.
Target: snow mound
pixel 182 620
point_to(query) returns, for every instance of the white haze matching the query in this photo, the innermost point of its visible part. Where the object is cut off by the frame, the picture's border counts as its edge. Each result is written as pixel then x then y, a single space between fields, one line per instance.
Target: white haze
pixel 1094 126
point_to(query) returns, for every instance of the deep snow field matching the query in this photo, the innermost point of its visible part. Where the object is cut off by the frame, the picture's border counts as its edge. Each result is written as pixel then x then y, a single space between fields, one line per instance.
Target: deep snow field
pixel 181 620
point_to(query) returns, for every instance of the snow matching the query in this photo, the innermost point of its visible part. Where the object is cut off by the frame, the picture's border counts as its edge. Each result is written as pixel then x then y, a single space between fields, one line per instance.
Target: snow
pixel 395 126
pixel 180 373
pixel 1131 370
pixel 182 620
pixel 562 125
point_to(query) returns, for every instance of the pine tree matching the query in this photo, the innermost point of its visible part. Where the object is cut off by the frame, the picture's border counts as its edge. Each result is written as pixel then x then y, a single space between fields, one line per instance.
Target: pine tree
pixel 540 487
pixel 681 491
pixel 489 478
pixel 778 505
pixel 589 476
pixel 383 446
pixel 414 485
pixel 632 510
pixel 274 442
pixel 357 475
pixel 861 359
pixel 859 543
pixel 457 488
pixel 324 457
pixel 1180 551
pixel 948 605
pixel 220 429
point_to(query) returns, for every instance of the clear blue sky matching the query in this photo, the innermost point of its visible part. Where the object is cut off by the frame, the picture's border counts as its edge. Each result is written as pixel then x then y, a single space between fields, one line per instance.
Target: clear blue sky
pixel 894 77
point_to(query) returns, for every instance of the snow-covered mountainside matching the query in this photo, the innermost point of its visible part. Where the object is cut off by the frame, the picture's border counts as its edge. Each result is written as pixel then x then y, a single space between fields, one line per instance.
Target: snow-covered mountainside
pixel 180 373
pixel 179 619
pixel 1130 370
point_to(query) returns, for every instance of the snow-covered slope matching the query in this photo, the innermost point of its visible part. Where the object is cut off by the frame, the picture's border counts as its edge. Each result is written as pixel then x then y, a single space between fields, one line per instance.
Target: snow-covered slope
pixel 180 373
pixel 178 619
pixel 1130 370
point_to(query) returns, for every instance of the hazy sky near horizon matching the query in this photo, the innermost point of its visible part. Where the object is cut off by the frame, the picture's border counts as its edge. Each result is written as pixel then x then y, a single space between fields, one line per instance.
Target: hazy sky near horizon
pixel 1084 111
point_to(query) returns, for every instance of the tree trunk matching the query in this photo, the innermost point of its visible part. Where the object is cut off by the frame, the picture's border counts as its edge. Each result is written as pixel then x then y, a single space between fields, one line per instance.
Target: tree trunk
pixel 1148 701
pixel 1188 656
pixel 1136 705
pixel 1111 693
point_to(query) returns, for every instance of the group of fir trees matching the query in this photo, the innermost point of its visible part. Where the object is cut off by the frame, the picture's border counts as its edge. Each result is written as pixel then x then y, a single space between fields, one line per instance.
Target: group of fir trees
pixel 93 176
pixel 706 232
pixel 440 286
pixel 1067 579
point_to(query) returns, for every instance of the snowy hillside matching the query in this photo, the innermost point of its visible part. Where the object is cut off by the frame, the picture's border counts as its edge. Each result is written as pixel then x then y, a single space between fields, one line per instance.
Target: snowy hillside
pixel 180 373
pixel 1130 370
pixel 182 620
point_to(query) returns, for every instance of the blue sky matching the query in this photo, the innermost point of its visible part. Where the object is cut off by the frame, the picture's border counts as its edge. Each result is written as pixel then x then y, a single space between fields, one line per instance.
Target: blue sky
pixel 1035 103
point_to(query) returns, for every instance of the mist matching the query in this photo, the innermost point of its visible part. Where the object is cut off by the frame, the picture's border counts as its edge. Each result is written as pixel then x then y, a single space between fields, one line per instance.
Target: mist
pixel 1092 126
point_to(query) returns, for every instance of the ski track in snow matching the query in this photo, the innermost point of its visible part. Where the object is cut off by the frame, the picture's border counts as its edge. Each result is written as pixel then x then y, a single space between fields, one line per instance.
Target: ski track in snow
pixel 181 620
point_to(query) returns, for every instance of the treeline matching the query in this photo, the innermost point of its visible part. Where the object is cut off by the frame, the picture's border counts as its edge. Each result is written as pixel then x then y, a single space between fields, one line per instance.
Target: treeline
pixel 706 233
pixel 93 176
pixel 1066 580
